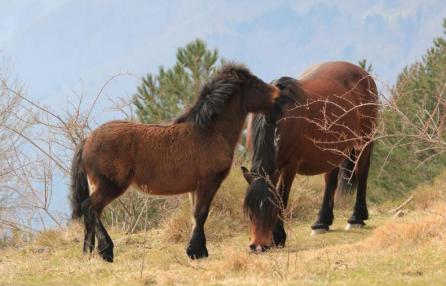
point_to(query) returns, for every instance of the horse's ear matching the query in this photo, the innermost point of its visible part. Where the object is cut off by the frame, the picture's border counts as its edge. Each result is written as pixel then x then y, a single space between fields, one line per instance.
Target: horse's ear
pixel 248 175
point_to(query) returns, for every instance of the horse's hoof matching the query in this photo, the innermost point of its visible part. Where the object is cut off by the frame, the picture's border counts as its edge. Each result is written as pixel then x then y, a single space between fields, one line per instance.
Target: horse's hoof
pixel 197 253
pixel 318 231
pixel 279 242
pixel 258 248
pixel 351 226
pixel 107 256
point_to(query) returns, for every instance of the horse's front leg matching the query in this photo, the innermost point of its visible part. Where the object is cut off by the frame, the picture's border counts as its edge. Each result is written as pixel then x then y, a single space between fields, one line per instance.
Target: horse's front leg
pixel 283 186
pixel 202 199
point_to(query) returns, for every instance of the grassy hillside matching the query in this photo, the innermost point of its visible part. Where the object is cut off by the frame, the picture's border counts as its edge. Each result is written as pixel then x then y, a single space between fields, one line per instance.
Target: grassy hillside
pixel 407 249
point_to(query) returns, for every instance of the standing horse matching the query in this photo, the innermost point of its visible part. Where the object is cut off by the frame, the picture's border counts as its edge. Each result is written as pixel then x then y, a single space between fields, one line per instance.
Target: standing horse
pixel 193 154
pixel 326 128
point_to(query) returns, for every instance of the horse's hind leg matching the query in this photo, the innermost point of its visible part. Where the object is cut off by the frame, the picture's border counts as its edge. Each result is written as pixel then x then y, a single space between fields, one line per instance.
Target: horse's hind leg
pixel 202 199
pixel 105 244
pixel 325 218
pixel 89 223
pixel 360 212
pixel 92 208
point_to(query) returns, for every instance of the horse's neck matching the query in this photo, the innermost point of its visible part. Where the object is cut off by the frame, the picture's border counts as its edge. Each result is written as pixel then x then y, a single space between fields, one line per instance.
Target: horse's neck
pixel 301 100
pixel 230 124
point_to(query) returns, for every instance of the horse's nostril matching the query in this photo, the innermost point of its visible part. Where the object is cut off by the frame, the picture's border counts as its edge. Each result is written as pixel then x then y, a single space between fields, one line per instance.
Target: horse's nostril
pixel 258 248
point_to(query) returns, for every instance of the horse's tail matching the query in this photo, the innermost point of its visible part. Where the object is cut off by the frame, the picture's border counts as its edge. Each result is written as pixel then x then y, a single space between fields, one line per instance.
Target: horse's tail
pixel 79 184
pixel 347 180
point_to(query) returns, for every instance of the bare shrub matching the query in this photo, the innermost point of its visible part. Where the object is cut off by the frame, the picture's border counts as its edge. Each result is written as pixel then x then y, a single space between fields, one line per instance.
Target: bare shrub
pixel 38 147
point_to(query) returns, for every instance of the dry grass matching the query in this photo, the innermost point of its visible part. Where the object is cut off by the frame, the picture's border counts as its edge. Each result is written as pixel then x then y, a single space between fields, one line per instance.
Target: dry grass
pixel 225 216
pixel 389 251
pixel 425 196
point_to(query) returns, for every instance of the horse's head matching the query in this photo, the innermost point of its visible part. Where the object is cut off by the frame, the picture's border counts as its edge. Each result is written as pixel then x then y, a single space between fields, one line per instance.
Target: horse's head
pixel 290 90
pixel 259 95
pixel 256 95
pixel 262 205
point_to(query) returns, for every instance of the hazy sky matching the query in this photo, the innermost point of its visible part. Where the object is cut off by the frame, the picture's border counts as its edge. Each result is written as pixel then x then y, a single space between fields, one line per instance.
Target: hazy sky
pixel 58 47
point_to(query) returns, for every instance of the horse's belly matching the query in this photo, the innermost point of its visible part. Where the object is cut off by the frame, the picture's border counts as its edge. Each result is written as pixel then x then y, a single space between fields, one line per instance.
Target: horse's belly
pixel 166 182
pixel 163 189
pixel 315 166
pixel 312 169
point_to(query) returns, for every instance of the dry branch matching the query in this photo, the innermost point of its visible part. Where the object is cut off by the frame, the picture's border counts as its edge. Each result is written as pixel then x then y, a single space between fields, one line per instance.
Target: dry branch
pixel 400 207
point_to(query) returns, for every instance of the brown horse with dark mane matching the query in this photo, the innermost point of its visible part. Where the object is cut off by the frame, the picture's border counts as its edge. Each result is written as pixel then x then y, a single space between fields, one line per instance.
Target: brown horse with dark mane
pixel 193 154
pixel 326 128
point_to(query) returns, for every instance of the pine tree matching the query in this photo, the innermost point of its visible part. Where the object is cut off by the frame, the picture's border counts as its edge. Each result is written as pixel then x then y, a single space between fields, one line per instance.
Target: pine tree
pixel 407 161
pixel 363 63
pixel 163 96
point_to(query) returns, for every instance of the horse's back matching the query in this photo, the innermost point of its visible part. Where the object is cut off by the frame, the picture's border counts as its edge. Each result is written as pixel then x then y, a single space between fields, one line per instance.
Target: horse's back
pixel 337 70
pixel 343 80
pixel 346 74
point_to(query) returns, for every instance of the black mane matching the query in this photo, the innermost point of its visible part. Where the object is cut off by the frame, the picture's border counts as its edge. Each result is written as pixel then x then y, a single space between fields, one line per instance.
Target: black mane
pixel 264 149
pixel 264 127
pixel 214 94
pixel 290 88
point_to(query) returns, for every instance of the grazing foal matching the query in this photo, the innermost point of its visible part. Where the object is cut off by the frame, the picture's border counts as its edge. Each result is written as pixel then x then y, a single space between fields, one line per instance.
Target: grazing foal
pixel 193 154
pixel 327 128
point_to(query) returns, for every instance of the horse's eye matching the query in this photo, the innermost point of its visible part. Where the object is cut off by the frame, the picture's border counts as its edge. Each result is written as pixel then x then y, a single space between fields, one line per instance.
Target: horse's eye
pixel 280 86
